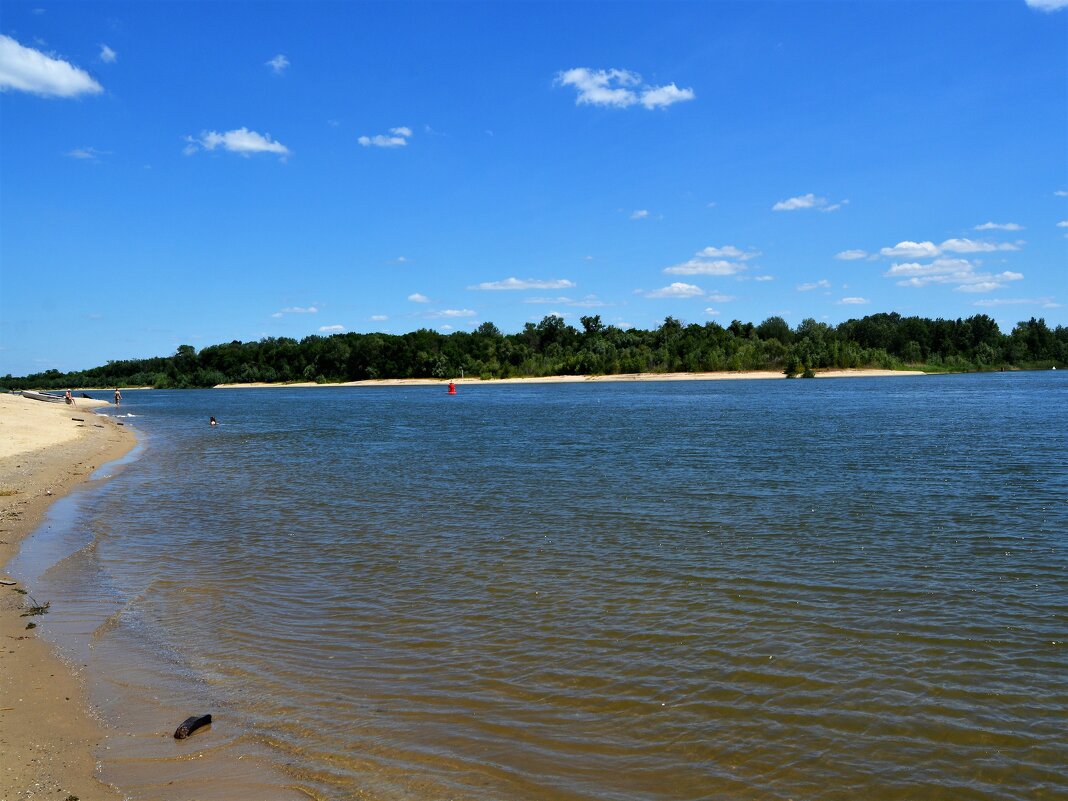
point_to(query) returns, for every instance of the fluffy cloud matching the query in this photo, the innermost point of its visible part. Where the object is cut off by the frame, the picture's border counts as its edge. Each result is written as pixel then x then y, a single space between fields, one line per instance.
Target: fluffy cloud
pixel 454 313
pixel 278 64
pixel 676 290
pixel 398 137
pixel 912 250
pixel 823 283
pixel 379 318
pixel 241 141
pixel 664 96
pixel 526 283
pixel 619 89
pixel 639 214
pixel 727 252
pixel 993 226
pixel 331 329
pixel 945 271
pixel 27 70
pixel 1048 5
pixel 809 201
pixel 851 255
pixel 107 55
pixel 971 246
pixel 1063 224
pixel 415 297
pixel 854 301
pixel 724 260
pixel 929 250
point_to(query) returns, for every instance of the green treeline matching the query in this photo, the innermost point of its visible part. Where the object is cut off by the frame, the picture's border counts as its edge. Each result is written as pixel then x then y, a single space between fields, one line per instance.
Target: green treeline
pixel 552 347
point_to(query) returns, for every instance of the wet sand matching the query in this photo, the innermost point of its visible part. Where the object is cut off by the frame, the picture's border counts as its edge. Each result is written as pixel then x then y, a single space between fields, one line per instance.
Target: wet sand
pixel 574 379
pixel 46 731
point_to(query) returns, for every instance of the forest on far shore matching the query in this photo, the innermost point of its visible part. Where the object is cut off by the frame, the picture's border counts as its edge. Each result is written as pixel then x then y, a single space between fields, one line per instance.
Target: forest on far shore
pixel 554 347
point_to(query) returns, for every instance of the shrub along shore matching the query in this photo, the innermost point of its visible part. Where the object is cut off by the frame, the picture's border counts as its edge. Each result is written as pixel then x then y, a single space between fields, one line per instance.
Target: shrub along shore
pixel 555 348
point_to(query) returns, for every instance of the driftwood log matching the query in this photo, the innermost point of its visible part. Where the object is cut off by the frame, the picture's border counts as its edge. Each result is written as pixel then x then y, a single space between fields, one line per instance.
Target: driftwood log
pixel 190 725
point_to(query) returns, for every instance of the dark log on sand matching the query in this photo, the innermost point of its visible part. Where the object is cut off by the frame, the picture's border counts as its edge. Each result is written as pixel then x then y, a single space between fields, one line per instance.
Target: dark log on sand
pixel 190 725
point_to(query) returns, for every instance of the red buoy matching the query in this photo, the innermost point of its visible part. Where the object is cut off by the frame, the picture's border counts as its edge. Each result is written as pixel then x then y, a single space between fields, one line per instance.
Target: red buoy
pixel 452 388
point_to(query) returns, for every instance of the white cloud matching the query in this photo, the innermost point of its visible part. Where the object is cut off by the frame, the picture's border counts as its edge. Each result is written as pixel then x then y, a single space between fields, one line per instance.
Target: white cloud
pixel 948 272
pixel 697 266
pixel 1048 5
pixel 454 313
pixel 525 283
pixel 854 301
pixel 1063 224
pixel 713 312
pixel 588 302
pixel 107 55
pixel 86 153
pixel 398 137
pixel 241 141
pixel 716 297
pixel 763 277
pixel 639 214
pixel 1045 303
pixel 1061 192
pixel 801 202
pixel 851 255
pixel 823 283
pixel 378 318
pixel 728 252
pixel 912 250
pixel 993 226
pixel 664 96
pixel 929 250
pixel 415 297
pixel 619 89
pixel 296 310
pixel 971 246
pixel 676 290
pixel 27 70
pixel 278 64
pixel 334 329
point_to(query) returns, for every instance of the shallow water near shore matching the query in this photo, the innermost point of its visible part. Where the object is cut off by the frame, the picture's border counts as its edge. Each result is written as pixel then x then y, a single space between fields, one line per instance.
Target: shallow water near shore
pixel 700 590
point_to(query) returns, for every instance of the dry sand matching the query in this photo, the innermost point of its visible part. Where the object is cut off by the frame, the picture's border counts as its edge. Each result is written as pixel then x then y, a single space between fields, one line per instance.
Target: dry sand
pixel 46 732
pixel 574 379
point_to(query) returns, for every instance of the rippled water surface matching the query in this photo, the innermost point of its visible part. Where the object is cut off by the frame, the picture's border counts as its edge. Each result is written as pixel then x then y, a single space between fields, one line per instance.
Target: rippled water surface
pixel 703 590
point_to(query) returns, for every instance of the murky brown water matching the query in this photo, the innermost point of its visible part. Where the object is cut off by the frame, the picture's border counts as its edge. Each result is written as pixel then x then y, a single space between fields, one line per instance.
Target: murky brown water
pixel 729 590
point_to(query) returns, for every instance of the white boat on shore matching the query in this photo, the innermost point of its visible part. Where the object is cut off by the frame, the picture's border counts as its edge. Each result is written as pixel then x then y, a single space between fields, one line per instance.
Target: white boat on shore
pixel 42 396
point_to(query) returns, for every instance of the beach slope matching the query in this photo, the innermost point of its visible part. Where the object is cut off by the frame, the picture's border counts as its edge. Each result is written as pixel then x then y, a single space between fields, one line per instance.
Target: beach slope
pixel 46 732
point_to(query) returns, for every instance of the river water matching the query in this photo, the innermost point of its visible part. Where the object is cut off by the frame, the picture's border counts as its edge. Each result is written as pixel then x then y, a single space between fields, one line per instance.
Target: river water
pixel 831 589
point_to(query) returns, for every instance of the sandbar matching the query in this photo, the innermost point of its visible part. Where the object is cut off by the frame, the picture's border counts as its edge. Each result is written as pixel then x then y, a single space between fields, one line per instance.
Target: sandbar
pixel 575 379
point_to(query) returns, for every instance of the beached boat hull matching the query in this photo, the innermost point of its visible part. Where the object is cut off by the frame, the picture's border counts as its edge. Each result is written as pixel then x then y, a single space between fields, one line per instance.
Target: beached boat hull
pixel 42 396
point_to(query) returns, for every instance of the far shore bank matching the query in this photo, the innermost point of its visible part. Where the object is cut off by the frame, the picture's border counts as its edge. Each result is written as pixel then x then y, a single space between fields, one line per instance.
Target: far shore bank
pixel 47 734
pixel 577 379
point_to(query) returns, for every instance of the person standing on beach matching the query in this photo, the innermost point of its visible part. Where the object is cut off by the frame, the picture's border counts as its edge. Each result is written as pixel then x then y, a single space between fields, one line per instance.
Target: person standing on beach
pixel 118 396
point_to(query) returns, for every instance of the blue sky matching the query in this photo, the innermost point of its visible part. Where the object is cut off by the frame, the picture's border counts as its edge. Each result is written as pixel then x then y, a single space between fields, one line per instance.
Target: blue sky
pixel 193 173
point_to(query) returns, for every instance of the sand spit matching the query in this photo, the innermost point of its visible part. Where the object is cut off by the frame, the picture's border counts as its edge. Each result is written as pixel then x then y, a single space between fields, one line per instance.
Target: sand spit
pixel 575 379
pixel 46 732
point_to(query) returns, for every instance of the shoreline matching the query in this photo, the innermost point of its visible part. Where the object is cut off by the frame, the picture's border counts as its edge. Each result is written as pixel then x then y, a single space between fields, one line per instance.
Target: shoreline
pixel 748 375
pixel 47 732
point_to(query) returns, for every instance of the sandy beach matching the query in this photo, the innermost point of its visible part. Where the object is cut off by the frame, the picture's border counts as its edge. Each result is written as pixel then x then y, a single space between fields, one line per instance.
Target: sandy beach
pixel 46 732
pixel 575 379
